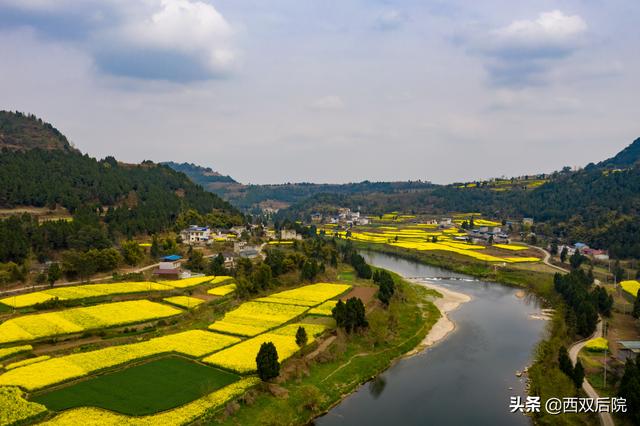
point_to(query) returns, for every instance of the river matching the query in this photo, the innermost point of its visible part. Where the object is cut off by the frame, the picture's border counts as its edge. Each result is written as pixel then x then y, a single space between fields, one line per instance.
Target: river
pixel 464 379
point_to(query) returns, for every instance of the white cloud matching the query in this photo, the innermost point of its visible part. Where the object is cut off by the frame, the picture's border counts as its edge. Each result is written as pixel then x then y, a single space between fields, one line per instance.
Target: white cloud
pixel 177 40
pixel 331 102
pixel 524 52
pixel 188 27
pixel 549 29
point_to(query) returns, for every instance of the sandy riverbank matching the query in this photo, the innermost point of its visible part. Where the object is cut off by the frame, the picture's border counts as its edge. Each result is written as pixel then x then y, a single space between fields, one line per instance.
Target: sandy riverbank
pixel 449 301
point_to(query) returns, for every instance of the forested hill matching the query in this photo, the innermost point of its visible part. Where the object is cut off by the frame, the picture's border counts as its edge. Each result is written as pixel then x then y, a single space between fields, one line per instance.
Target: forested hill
pixel 627 157
pixel 599 204
pixel 20 131
pixel 123 199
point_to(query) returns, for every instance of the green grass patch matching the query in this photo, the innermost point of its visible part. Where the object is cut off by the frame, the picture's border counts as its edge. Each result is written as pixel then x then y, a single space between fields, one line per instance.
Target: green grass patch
pixel 143 389
pixel 346 276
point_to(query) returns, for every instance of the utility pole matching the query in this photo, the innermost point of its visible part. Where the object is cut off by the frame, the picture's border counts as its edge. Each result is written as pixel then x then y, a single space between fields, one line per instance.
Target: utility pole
pixel 604 332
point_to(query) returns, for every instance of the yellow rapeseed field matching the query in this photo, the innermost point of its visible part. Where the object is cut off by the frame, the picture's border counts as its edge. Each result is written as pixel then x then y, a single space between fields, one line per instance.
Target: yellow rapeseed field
pixel 241 358
pixel 222 290
pixel 27 361
pixel 82 292
pixel 631 287
pixel 190 282
pixel 252 318
pixel 14 409
pixel 184 301
pixel 76 320
pixel 309 295
pixel 324 309
pixel 512 247
pixel 7 352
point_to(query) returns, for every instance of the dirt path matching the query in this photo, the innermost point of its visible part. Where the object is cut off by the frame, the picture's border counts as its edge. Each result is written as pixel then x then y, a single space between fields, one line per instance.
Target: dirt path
pixel 546 261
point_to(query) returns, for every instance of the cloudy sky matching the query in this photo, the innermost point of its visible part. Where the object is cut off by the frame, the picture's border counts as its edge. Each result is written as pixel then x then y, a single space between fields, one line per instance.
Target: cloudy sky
pixel 331 90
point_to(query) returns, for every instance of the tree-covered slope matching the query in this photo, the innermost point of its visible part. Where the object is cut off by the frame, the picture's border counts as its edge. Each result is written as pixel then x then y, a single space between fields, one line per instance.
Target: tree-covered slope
pixel 200 175
pixel 107 199
pixel 20 131
pixel 625 158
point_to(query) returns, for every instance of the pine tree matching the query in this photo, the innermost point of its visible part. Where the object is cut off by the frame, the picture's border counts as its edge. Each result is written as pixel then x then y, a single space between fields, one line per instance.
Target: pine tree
pixel 301 336
pixel 565 362
pixel 563 254
pixel 636 306
pixel 578 374
pixel 267 362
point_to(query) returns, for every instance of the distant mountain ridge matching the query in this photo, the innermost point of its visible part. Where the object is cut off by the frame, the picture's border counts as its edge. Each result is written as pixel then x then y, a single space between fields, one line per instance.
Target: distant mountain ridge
pixel 200 175
pixel 598 205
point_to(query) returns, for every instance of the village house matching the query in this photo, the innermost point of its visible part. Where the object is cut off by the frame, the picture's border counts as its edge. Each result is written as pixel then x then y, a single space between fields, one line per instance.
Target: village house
pixel 289 234
pixel 195 234
pixel 489 233
pixel 169 267
pixel 249 252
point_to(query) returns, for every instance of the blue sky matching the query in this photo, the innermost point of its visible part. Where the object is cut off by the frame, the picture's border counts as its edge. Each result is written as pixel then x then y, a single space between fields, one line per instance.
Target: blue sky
pixel 330 91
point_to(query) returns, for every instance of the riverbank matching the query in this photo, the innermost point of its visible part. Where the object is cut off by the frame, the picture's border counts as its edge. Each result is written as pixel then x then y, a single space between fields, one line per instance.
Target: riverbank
pixel 450 301
pixel 310 387
pixel 545 378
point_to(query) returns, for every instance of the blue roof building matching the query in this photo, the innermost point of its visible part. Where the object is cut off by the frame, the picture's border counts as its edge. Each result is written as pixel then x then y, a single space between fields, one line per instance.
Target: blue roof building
pixel 172 258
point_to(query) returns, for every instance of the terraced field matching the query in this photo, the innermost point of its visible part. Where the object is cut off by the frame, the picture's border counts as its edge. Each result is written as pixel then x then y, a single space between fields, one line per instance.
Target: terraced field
pixel 171 379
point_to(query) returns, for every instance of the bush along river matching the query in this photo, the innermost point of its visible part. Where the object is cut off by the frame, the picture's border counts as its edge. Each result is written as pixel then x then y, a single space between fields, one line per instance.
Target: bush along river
pixel 466 378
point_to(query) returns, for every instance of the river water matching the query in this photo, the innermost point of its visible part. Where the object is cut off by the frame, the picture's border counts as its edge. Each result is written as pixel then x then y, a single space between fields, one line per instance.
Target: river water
pixel 464 379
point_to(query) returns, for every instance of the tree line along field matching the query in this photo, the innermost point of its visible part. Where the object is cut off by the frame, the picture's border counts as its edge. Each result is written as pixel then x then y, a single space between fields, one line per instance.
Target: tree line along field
pixel 170 379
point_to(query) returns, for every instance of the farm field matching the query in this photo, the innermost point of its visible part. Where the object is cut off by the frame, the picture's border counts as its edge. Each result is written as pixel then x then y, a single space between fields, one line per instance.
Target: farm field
pixel 429 237
pixel 631 287
pixel 170 379
pixel 89 291
pixel 194 343
pixel 77 320
pixel 154 386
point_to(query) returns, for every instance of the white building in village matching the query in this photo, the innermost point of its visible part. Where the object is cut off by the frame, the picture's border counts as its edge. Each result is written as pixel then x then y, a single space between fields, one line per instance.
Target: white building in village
pixel 195 234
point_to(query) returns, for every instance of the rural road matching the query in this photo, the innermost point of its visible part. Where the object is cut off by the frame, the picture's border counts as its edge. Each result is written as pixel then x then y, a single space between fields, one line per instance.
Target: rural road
pixel 546 258
pixel 574 350
pixel 605 418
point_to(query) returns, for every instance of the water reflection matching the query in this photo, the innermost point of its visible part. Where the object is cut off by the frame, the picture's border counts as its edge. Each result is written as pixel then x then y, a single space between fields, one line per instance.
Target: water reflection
pixel 376 386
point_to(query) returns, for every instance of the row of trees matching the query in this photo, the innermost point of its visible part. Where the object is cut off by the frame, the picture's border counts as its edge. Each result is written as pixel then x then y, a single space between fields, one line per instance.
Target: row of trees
pixel 584 304
pixel 576 374
pixel 387 286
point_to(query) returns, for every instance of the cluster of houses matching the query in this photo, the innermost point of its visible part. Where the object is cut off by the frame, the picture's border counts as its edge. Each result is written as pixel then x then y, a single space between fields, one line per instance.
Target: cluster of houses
pixel 585 250
pixel 493 234
pixel 344 217
pixel 198 235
